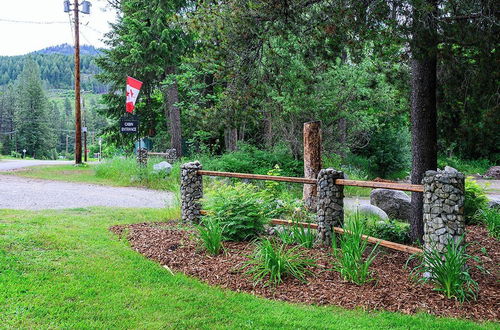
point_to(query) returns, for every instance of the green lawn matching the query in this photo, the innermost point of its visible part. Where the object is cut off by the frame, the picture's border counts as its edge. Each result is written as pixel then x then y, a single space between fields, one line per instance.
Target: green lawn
pixel 64 269
pixel 68 173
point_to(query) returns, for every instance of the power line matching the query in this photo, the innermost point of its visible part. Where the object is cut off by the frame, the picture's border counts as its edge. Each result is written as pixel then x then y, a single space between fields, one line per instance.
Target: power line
pixel 30 22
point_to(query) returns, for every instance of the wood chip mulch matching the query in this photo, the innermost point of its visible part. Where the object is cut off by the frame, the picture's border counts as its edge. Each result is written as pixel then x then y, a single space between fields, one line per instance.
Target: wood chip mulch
pixel 392 289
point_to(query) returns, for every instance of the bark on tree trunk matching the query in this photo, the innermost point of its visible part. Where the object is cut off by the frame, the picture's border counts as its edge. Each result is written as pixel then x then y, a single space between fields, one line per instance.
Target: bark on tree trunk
pixel 312 161
pixel 174 115
pixel 231 138
pixel 423 110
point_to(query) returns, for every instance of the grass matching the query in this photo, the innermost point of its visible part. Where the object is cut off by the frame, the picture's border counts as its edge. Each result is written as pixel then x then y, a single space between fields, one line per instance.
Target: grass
pixel 64 269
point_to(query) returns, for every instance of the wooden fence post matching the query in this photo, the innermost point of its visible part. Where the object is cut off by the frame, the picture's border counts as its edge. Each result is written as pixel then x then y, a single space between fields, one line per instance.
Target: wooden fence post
pixel 312 161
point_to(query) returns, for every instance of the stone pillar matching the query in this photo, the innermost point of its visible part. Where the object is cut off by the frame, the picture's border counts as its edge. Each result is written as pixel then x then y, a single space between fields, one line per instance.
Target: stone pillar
pixel 171 155
pixel 443 208
pixel 142 157
pixel 191 192
pixel 330 208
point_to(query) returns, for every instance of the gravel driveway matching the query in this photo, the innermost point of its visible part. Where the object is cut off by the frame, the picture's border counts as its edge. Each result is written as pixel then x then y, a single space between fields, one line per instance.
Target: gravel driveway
pixel 34 194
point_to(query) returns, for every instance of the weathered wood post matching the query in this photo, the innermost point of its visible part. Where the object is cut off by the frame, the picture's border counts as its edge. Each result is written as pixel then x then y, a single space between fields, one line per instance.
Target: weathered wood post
pixel 330 208
pixel 443 208
pixel 312 161
pixel 191 192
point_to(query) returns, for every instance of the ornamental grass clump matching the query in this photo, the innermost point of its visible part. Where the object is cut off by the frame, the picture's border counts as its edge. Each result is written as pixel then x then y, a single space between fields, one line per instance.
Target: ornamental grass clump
pixel 348 252
pixel 448 272
pixel 271 262
pixel 210 234
pixel 296 234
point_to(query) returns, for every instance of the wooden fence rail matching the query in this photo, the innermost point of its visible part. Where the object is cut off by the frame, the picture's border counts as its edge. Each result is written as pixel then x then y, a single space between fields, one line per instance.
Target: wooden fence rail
pixel 373 240
pixel 343 182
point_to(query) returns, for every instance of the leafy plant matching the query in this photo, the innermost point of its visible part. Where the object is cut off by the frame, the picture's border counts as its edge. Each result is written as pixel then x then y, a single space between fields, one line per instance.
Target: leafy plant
pixel 448 271
pixel 349 257
pixel 475 201
pixel 238 209
pixel 491 218
pixel 391 229
pixel 304 236
pixel 210 234
pixel 271 262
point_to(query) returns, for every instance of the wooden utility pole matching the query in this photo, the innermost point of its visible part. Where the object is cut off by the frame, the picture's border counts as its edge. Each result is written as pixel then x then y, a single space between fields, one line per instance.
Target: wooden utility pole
pixel 78 122
pixel 312 161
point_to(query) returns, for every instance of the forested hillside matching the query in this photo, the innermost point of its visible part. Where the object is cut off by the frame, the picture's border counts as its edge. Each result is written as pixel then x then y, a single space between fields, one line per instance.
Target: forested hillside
pixel 56 67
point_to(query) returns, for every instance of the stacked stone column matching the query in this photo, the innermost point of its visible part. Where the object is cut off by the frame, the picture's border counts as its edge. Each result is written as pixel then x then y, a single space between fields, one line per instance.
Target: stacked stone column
pixel 443 208
pixel 142 157
pixel 171 155
pixel 191 192
pixel 330 207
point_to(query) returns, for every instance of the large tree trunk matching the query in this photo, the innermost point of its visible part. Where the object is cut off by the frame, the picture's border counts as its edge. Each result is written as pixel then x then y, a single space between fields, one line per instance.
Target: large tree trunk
pixel 174 115
pixel 423 108
pixel 312 161
pixel 230 138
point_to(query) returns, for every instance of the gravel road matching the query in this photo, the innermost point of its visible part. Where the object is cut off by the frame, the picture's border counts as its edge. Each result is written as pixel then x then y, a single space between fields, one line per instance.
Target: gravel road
pixel 33 194
pixel 14 164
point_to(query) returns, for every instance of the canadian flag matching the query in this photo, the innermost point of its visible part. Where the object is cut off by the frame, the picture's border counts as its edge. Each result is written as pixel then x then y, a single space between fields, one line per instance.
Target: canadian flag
pixel 133 88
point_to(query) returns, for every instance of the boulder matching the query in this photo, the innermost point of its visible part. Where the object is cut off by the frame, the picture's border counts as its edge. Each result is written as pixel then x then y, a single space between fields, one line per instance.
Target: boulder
pixel 163 167
pixel 493 172
pixel 395 203
pixel 372 210
pixel 450 169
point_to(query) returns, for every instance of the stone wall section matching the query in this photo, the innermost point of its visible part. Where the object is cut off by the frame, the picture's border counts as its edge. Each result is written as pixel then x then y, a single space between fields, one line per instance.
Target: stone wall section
pixel 330 207
pixel 443 208
pixel 191 192
pixel 142 157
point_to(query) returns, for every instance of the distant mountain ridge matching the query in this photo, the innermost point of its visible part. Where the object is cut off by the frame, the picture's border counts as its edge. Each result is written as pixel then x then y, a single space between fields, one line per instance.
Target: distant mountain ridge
pixel 66 49
pixel 56 67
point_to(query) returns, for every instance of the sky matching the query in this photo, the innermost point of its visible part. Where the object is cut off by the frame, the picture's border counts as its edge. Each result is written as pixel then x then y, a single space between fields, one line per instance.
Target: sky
pixel 17 38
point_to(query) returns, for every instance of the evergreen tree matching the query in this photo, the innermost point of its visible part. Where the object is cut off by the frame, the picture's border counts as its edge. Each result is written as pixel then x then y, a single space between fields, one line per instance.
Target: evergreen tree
pixel 33 129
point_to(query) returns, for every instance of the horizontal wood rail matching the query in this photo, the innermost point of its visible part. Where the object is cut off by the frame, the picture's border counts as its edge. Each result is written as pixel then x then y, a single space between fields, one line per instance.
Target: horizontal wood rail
pixel 258 177
pixel 342 182
pixel 373 240
pixel 157 153
pixel 385 185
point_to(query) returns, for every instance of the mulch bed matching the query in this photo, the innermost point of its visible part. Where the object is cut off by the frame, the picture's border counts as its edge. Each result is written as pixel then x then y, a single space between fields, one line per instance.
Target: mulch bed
pixel 393 290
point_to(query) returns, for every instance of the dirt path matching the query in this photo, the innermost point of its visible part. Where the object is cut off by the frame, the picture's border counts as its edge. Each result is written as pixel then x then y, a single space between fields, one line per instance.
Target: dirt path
pixel 34 194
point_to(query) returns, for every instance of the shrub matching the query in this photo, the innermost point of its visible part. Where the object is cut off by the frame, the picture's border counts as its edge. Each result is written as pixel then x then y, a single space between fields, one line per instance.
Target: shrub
pixel 475 201
pixel 271 262
pixel 250 159
pixel 491 218
pixel 349 258
pixel 390 230
pixel 239 210
pixel 210 234
pixel 448 273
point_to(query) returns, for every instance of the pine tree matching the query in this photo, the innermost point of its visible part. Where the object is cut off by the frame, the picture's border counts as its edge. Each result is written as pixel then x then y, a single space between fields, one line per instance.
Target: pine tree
pixel 31 120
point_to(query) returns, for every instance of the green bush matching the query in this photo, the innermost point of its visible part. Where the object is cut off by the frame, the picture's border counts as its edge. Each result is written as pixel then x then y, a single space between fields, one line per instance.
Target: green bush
pixel 390 230
pixel 271 262
pixel 250 159
pixel 210 234
pixel 238 208
pixel 475 201
pixel 389 152
pixel 349 257
pixel 448 273
pixel 491 218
